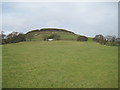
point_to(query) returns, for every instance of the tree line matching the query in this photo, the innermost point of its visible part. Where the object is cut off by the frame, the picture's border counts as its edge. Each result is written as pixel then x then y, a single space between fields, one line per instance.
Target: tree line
pixel 16 37
pixel 13 37
pixel 107 40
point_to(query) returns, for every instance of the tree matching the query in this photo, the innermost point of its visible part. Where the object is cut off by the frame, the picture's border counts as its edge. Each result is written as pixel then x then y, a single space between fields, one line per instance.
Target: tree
pixel 15 37
pixel 21 37
pixel 12 37
pixel 82 38
pixel 100 39
pixel 111 40
pixel 109 37
pixel 2 38
pixel 29 36
pixel 2 35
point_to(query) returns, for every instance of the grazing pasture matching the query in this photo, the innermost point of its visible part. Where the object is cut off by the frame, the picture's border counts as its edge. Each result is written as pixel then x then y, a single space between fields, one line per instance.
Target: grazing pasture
pixel 59 64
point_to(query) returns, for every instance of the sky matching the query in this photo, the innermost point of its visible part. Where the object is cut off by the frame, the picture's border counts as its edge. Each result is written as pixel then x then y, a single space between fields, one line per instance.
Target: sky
pixel 84 18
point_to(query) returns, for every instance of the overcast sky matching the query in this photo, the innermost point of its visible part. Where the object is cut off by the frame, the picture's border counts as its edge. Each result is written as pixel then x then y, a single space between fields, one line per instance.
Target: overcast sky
pixel 85 18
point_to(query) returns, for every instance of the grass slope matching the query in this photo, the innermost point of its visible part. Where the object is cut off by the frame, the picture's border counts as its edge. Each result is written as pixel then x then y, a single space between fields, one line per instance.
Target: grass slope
pixel 60 64
pixel 63 35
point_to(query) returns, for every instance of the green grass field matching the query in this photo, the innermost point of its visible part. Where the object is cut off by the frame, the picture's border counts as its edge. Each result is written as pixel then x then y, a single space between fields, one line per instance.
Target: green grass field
pixel 59 64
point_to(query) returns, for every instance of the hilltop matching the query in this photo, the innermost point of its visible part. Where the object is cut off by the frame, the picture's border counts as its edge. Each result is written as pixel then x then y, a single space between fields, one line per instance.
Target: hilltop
pixel 50 30
pixel 40 34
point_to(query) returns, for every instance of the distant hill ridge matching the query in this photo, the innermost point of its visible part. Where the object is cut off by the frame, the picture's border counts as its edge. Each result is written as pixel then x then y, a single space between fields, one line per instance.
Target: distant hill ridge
pixel 50 29
pixel 41 34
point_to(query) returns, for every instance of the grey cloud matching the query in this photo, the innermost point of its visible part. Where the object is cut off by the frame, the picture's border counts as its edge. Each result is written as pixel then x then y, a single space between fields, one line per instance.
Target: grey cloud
pixel 82 18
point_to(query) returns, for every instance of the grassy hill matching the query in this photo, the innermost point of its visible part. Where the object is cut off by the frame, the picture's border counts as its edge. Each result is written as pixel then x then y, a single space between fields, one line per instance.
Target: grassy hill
pixel 59 64
pixel 39 34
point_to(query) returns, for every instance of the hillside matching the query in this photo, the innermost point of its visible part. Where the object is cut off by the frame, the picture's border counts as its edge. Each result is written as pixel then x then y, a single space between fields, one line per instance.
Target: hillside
pixel 39 34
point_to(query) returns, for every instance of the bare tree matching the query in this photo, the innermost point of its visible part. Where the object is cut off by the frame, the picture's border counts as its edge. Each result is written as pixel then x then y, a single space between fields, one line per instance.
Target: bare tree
pixel 2 37
pixel 100 38
pixel 12 37
pixel 13 34
pixel 111 39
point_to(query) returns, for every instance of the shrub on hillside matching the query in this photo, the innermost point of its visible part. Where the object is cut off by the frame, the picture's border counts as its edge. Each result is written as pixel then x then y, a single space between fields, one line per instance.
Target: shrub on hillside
pixel 82 38
pixel 52 36
pixel 29 36
pixel 45 37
